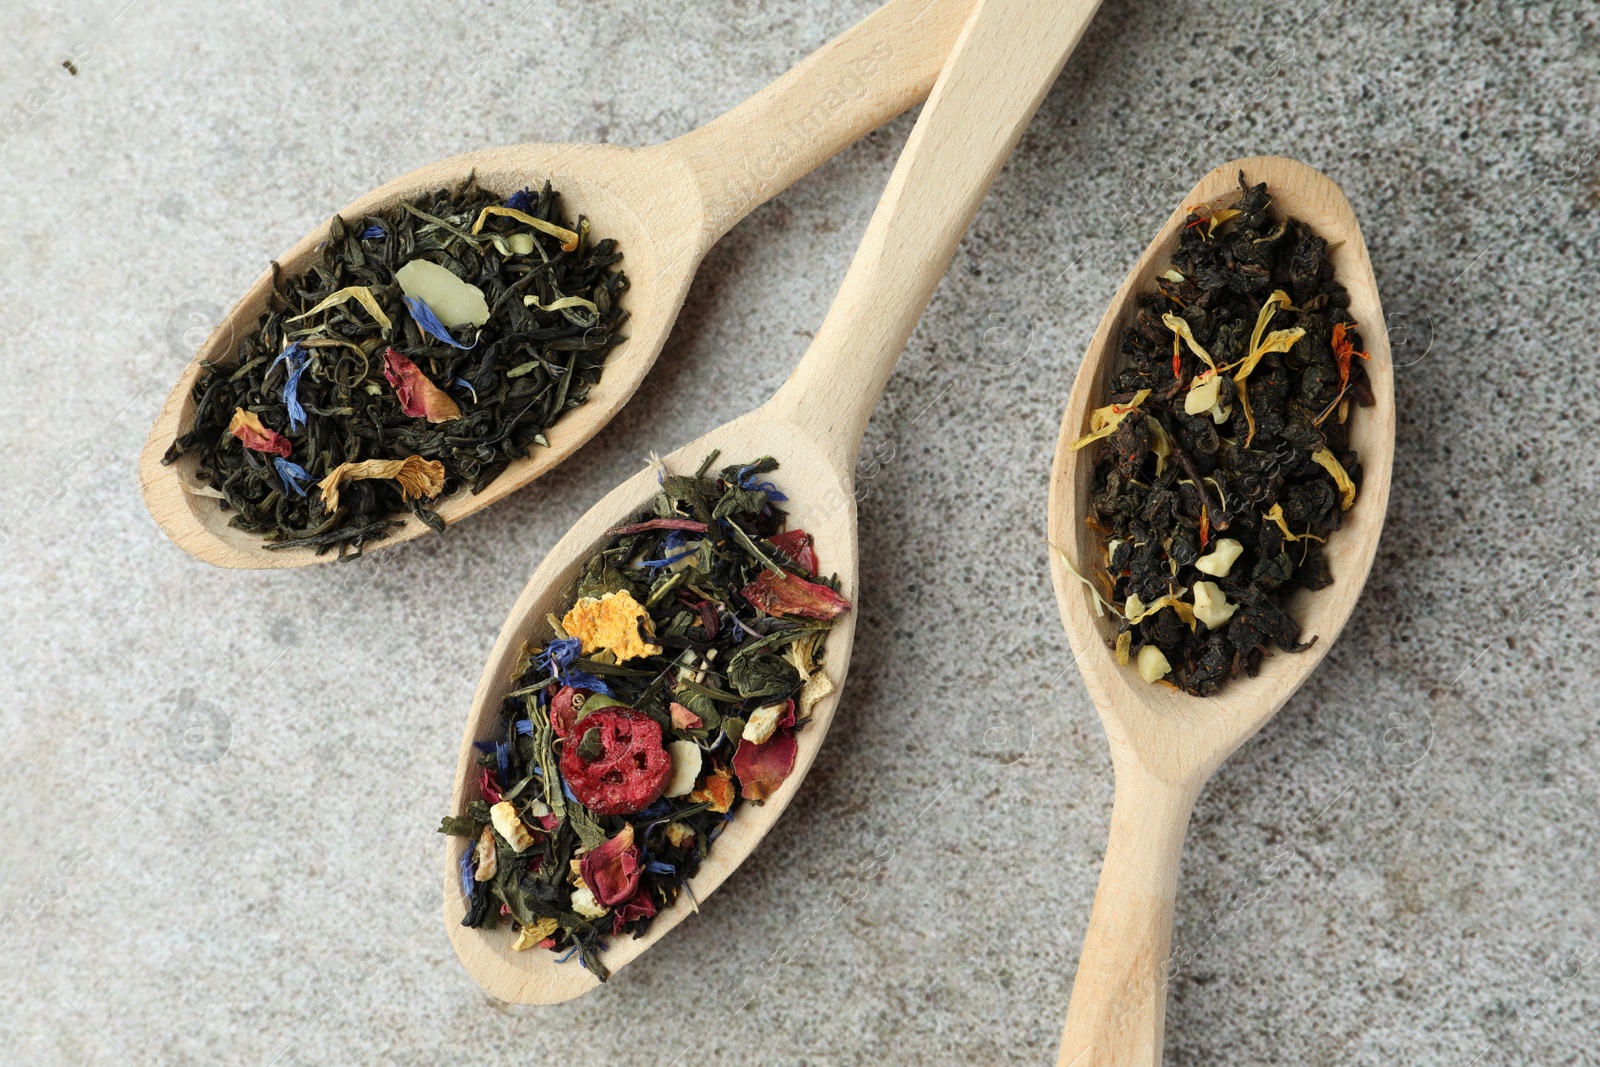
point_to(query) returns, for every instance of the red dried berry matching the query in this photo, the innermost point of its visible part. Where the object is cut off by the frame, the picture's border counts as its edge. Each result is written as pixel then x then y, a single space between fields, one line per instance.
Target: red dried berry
pixel 564 708
pixel 629 768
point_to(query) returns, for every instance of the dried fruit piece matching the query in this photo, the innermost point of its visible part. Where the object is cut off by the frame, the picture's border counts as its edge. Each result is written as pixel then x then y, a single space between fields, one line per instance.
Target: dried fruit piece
pixel 509 826
pixel 565 707
pixel 716 791
pixel 615 622
pixel 619 765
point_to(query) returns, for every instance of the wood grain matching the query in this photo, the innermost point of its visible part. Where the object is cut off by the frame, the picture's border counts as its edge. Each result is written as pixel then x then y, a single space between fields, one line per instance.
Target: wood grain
pixel 1165 744
pixel 813 425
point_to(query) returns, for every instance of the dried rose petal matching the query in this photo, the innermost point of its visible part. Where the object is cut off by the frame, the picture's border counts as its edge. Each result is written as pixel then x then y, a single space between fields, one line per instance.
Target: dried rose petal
pixel 763 768
pixel 489 786
pixel 419 397
pixel 612 871
pixel 796 544
pixel 632 769
pixel 684 719
pixel 639 906
pixel 248 428
pixel 791 595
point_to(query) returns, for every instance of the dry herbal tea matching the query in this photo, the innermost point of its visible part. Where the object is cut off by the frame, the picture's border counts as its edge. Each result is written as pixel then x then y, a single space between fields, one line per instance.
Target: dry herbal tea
pixel 1224 462
pixel 436 342
pixel 688 657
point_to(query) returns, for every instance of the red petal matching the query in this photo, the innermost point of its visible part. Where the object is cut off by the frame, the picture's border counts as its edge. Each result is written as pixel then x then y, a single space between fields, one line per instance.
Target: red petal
pixel 763 768
pixel 639 906
pixel 796 544
pixel 419 397
pixel 684 719
pixel 791 595
pixel 490 787
pixel 612 871
pixel 658 524
pixel 257 437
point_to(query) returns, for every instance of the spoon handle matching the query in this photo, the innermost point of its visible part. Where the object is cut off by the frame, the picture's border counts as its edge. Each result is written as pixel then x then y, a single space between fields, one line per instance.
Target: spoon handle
pixel 1006 59
pixel 852 85
pixel 1119 998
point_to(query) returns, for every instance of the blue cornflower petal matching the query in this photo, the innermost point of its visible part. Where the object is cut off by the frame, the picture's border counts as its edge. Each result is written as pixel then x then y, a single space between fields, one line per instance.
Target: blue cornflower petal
pixel 747 481
pixel 502 756
pixel 430 324
pixel 674 540
pixel 669 561
pixel 583 680
pixel 483 746
pixel 525 726
pixel 568 956
pixel 469 883
pixel 299 358
pixel 295 478
pixel 561 653
pixel 468 387
pixel 371 232
pixel 657 867
pixel 567 791
pixel 521 200
pixel 656 810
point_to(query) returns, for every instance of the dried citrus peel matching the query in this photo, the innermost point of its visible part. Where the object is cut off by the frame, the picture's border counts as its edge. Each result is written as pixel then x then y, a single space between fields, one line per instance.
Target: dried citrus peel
pixel 613 622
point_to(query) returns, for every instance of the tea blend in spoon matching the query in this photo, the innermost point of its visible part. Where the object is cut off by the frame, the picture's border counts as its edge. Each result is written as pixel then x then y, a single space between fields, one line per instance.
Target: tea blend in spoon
pixel 687 658
pixel 1224 463
pixel 432 346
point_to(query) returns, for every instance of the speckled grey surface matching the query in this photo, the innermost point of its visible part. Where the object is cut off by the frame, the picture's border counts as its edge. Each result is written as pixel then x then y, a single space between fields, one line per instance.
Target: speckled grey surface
pixel 1400 869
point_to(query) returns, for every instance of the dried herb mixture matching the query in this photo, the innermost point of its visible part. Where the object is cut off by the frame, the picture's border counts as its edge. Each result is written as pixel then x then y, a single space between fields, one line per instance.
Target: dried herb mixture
pixel 435 343
pixel 689 656
pixel 1223 461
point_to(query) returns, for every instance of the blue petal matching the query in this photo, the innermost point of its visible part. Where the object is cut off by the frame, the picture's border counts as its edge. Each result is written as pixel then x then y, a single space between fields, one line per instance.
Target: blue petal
pixel 656 810
pixel 657 867
pixel 581 680
pixel 674 541
pixel 468 882
pixel 747 481
pixel 561 652
pixel 567 791
pixel 371 232
pixel 502 756
pixel 429 323
pixel 669 561
pixel 299 358
pixel 525 726
pixel 568 956
pixel 521 200
pixel 468 387
pixel 295 478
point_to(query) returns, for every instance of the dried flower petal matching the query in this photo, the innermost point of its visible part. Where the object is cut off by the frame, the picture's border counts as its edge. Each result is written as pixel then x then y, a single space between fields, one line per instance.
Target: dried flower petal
pixel 1347 488
pixel 248 428
pixel 568 239
pixel 793 595
pixel 796 544
pixel 612 871
pixel 419 478
pixel 763 768
pixel 1103 422
pixel 683 718
pixel 418 396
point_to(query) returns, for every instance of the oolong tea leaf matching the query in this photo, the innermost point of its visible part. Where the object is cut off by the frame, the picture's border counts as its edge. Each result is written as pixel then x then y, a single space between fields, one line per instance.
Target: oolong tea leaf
pixel 1223 462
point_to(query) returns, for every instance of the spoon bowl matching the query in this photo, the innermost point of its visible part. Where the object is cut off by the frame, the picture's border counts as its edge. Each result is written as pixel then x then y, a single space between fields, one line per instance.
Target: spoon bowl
pixel 813 426
pixel 665 205
pixel 1166 743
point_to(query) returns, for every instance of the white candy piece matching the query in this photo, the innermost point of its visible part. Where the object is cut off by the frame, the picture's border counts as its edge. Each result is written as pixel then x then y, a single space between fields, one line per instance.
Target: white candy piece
pixel 1219 561
pixel 685 767
pixel 453 301
pixel 1211 605
pixel 1153 666
pixel 509 826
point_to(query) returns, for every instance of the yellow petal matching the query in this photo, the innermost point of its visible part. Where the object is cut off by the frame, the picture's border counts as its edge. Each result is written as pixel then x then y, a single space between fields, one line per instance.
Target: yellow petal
pixel 359 293
pixel 1104 421
pixel 530 936
pixel 418 477
pixel 569 240
pixel 1124 643
pixel 1180 327
pixel 1347 488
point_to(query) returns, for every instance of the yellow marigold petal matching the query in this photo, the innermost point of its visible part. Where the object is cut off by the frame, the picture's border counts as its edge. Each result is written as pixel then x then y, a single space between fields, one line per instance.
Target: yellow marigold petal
pixel 615 622
pixel 418 477
pixel 1347 488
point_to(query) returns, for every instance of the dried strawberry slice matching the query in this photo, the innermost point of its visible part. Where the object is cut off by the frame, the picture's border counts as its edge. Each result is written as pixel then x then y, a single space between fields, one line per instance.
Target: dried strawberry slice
pixel 617 765
pixel 564 709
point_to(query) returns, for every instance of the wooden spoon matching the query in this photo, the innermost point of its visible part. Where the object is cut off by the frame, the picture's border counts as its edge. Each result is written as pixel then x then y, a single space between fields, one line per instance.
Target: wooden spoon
pixel 1004 62
pixel 1165 744
pixel 666 206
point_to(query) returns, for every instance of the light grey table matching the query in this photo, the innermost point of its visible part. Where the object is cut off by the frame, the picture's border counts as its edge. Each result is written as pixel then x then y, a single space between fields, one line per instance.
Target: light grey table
pixel 1400 869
